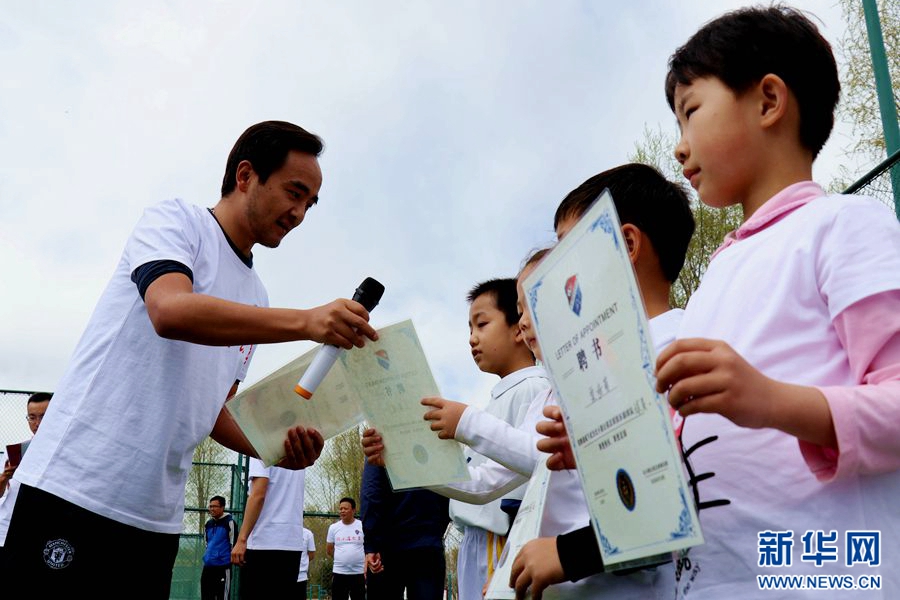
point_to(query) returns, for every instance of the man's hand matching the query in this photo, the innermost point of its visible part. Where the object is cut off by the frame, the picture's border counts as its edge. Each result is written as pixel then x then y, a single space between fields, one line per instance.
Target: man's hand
pixel 556 441
pixel 536 566
pixel 373 447
pixel 342 323
pixel 238 553
pixel 444 416
pixel 5 476
pixel 373 562
pixel 301 448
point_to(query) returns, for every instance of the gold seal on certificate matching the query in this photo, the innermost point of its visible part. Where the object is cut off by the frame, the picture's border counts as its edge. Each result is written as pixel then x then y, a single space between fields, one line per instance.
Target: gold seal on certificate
pixel 593 330
pixel 381 383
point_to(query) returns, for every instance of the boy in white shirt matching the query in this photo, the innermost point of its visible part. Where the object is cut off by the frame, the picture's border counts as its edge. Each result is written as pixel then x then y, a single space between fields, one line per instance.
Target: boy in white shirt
pixel 498 348
pixel 656 226
pixel 656 220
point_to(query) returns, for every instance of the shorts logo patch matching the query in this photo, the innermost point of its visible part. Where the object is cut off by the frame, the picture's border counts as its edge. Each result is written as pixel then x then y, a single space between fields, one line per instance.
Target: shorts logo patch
pixel 58 554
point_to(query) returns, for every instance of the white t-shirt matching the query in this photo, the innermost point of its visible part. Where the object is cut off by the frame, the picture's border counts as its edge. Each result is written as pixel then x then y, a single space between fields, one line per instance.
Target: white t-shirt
pixel 280 523
pixel 349 555
pixel 772 297
pixel 7 502
pixel 309 545
pixel 131 408
pixel 510 400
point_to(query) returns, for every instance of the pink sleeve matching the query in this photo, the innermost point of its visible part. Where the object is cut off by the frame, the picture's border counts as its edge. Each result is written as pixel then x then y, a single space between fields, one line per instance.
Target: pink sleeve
pixel 866 416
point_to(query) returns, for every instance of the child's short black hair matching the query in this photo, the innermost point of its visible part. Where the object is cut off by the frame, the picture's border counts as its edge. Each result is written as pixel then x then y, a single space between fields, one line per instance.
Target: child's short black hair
pixel 644 198
pixel 349 501
pixel 741 47
pixel 504 293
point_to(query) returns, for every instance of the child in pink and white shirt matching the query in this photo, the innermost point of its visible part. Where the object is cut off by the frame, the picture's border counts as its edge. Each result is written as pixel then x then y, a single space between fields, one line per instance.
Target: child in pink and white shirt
pixel 787 369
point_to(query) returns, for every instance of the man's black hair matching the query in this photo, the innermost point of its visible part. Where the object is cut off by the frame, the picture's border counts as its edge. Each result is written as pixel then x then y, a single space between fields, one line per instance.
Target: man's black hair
pixel 266 146
pixel 39 397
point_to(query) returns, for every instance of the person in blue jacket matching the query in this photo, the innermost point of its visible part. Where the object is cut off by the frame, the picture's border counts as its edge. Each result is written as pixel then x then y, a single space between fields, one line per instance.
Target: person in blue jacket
pixel 215 581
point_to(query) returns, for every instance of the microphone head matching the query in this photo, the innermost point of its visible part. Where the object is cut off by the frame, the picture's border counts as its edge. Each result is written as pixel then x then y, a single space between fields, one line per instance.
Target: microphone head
pixel 369 293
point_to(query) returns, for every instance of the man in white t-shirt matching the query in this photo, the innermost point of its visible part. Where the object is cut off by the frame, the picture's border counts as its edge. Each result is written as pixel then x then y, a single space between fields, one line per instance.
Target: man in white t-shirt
pixel 168 342
pixel 270 542
pixel 345 544
pixel 309 553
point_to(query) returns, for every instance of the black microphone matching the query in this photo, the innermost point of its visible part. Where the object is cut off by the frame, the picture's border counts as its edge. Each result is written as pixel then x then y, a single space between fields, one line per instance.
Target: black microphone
pixel 368 294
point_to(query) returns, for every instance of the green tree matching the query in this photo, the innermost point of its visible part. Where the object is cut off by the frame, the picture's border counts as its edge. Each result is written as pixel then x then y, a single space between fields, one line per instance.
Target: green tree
pixel 211 475
pixel 337 472
pixel 859 100
pixel 657 148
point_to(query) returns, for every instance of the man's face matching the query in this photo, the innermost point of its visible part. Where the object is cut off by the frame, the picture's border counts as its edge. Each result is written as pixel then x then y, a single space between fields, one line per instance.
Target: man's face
pixel 216 510
pixel 277 206
pixel 36 411
pixel 346 512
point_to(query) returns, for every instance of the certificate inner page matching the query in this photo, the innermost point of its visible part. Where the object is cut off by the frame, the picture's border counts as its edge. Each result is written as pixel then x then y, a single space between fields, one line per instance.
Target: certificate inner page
pixel 595 339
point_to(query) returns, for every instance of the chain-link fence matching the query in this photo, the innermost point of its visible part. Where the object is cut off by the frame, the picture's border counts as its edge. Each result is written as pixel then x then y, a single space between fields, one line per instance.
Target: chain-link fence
pixel 337 473
pixel 13 421
pixel 882 182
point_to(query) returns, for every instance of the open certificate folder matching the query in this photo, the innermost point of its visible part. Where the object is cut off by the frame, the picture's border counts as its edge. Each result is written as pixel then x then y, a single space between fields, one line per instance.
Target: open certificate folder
pixel 381 383
pixel 593 331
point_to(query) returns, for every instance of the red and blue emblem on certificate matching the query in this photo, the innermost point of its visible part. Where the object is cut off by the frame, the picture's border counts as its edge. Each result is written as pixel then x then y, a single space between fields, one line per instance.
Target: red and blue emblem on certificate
pixel 573 293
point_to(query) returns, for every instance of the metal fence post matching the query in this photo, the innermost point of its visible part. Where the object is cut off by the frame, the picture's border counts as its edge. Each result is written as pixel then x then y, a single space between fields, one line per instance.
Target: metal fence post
pixel 886 102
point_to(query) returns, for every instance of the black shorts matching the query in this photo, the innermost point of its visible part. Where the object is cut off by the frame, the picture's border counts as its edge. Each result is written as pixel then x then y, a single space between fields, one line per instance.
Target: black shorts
pixel 57 548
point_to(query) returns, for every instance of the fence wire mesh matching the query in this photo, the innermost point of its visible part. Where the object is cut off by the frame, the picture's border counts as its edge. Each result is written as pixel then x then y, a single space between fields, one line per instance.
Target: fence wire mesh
pixel 882 183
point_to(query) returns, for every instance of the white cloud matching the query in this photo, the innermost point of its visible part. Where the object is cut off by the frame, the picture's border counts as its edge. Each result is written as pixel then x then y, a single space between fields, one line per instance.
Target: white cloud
pixel 451 130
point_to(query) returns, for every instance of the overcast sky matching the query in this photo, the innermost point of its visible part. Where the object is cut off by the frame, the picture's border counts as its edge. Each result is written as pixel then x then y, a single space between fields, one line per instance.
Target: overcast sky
pixel 452 131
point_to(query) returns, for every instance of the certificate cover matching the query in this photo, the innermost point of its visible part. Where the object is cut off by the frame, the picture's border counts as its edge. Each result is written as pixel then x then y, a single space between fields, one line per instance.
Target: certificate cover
pixel 591 324
pixel 14 453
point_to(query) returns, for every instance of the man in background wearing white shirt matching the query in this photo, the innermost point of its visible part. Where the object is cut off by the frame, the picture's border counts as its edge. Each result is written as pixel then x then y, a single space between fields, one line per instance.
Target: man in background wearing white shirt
pixel 345 545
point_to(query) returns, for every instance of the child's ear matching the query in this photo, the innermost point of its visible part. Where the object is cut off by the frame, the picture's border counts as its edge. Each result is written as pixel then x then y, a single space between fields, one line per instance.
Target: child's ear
pixel 633 239
pixel 519 338
pixel 773 99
